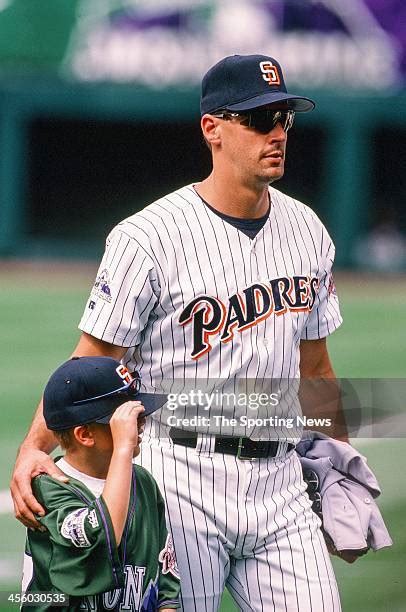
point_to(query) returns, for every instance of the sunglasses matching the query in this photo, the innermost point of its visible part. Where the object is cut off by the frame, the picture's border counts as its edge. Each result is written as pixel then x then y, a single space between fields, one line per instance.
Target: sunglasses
pixel 131 389
pixel 263 120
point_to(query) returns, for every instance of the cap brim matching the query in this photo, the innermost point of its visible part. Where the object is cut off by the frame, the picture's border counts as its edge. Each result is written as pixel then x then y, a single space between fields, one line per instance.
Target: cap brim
pixel 295 103
pixel 150 401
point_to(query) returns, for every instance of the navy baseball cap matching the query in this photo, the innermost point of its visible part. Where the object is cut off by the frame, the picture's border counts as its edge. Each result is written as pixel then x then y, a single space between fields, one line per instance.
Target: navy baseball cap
pixel 243 82
pixel 89 389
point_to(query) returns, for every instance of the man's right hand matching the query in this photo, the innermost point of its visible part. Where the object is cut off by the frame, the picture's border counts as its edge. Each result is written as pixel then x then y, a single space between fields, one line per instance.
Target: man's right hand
pixel 30 462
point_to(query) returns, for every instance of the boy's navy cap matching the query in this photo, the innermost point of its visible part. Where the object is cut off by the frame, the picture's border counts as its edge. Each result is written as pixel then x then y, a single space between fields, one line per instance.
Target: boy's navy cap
pixel 89 389
pixel 243 82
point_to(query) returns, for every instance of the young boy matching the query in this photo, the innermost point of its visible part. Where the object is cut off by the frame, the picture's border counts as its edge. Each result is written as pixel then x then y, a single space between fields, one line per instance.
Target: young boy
pixel 104 545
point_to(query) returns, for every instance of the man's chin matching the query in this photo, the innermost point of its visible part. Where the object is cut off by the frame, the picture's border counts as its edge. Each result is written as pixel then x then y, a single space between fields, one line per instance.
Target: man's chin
pixel 272 179
pixel 277 172
pixel 273 174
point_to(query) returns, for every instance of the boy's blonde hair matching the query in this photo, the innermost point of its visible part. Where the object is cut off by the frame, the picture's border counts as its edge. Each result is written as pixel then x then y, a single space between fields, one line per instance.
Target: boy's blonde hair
pixel 66 438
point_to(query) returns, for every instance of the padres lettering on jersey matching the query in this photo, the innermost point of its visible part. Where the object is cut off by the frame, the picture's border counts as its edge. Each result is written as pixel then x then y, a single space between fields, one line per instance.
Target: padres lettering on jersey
pixel 209 315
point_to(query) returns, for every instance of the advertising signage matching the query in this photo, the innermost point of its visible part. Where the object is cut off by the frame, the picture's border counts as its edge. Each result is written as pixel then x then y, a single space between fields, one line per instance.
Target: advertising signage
pixel 344 44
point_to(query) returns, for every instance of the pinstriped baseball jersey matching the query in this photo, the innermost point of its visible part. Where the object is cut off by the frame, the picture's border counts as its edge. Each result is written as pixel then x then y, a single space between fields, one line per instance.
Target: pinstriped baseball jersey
pixel 196 299
pixel 199 303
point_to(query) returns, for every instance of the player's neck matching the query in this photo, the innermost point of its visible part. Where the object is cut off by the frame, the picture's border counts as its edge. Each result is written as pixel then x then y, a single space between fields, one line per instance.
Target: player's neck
pixel 89 461
pixel 233 199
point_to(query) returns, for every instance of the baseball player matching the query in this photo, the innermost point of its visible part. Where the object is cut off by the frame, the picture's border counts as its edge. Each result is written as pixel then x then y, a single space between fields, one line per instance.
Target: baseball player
pixel 104 543
pixel 210 291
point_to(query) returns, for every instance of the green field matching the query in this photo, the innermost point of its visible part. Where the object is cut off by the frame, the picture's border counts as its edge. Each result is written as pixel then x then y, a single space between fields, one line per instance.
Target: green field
pixel 40 307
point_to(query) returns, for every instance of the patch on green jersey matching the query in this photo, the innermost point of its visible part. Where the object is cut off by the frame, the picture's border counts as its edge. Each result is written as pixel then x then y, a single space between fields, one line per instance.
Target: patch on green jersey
pixel 73 528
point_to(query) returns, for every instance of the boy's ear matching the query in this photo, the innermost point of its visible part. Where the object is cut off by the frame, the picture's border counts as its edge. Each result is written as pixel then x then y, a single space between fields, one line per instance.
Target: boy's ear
pixel 84 435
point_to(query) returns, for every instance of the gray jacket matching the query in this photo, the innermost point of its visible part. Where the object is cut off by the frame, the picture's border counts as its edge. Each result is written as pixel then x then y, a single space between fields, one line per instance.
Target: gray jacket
pixel 348 489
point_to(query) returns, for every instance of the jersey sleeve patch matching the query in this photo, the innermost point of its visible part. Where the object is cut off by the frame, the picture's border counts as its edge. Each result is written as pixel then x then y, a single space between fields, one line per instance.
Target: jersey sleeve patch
pixel 168 559
pixel 101 288
pixel 73 527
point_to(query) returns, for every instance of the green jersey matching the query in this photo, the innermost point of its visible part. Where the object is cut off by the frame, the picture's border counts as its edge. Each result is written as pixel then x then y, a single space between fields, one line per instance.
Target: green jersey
pixel 78 556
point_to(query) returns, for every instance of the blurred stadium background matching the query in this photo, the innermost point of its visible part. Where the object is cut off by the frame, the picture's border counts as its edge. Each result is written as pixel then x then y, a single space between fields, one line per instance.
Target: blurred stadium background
pixel 99 115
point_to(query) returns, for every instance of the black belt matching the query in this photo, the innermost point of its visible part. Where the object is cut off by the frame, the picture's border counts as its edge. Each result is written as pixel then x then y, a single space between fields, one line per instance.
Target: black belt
pixel 243 448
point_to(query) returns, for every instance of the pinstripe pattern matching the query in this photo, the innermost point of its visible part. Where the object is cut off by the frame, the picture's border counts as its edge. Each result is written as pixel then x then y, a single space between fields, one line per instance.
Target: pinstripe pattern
pixel 177 249
pixel 246 524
